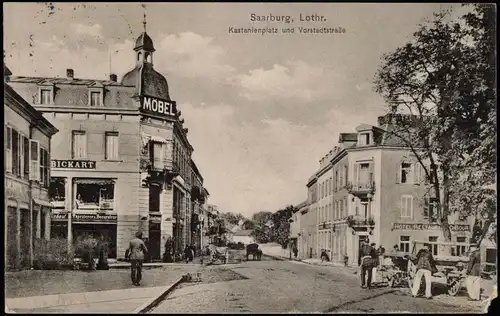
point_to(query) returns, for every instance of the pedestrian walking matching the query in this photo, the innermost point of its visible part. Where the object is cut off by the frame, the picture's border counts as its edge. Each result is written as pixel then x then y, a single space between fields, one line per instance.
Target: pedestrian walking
pixel 473 280
pixel 366 267
pixel 426 266
pixel 135 253
pixel 295 252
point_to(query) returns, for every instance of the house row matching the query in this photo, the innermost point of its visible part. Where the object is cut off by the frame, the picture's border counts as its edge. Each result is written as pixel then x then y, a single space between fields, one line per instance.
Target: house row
pixel 370 186
pixel 121 162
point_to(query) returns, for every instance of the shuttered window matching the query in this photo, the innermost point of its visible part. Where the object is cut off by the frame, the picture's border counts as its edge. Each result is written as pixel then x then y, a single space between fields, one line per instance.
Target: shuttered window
pixel 407 206
pixel 8 149
pixel 79 145
pixel 34 161
pixel 111 149
pixel 16 170
pixel 26 156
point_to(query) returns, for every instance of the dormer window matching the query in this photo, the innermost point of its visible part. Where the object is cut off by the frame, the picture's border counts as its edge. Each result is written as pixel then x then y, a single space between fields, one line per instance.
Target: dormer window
pixel 364 139
pixel 96 97
pixel 46 95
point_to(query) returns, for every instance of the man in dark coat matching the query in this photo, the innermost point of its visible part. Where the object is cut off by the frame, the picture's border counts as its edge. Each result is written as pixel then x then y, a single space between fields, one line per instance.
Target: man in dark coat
pixel 426 266
pixel 473 281
pixel 135 253
pixel 368 255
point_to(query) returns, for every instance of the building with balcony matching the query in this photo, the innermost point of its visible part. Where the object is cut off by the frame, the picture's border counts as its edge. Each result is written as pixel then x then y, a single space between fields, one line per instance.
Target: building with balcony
pixel 324 204
pixel 385 195
pixel 122 161
pixel 27 143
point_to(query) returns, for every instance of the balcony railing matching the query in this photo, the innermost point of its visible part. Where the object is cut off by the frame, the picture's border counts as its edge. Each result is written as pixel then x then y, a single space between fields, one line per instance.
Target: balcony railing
pixel 356 221
pixel 361 187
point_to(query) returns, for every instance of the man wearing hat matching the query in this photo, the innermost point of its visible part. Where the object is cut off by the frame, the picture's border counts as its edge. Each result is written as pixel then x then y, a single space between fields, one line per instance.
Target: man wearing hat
pixel 135 253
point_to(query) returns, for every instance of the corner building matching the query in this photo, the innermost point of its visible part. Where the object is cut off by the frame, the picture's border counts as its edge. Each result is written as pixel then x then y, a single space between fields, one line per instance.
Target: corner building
pixel 121 162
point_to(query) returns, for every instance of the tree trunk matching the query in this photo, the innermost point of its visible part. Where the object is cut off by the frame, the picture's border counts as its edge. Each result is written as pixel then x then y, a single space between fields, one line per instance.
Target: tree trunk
pixel 445 206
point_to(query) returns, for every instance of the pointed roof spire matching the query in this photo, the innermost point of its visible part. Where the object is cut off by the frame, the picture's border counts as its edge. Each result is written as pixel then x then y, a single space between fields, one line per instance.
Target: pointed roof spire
pixel 144 22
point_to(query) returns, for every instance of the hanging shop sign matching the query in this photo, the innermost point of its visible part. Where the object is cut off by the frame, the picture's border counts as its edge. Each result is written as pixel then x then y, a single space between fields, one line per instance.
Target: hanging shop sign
pixel 86 218
pixel 415 226
pixel 156 106
pixel 73 164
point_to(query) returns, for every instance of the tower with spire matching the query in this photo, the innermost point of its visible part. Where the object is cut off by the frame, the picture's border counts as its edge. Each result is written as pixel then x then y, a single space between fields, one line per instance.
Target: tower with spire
pixel 146 80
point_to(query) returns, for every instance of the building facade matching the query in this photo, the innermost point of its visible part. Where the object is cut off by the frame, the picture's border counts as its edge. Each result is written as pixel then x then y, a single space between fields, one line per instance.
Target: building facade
pixel 27 143
pixel 324 204
pixel 122 162
pixel 380 193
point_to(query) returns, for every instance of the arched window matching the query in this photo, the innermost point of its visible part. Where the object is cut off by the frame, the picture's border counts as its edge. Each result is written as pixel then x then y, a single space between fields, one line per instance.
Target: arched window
pixel 139 54
pixel 147 57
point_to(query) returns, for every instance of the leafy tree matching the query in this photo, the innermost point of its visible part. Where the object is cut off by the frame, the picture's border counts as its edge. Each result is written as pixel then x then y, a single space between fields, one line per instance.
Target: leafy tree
pixel 261 231
pixel 248 225
pixel 232 218
pixel 445 79
pixel 281 227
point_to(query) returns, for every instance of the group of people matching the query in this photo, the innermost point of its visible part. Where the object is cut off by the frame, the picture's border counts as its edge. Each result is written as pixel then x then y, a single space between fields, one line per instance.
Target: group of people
pixel 370 259
pixel 426 267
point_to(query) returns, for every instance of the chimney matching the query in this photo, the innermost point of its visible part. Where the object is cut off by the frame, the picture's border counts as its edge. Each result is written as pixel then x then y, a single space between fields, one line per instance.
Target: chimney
pixel 113 77
pixel 70 74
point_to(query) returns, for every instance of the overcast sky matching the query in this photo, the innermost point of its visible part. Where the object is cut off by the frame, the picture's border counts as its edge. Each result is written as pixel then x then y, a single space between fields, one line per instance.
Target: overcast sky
pixel 261 109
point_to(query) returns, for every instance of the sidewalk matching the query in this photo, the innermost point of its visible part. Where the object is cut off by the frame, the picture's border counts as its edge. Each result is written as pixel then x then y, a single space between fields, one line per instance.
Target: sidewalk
pixel 113 301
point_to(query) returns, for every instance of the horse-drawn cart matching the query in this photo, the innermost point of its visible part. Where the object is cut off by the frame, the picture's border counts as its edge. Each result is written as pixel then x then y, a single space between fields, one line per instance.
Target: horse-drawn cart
pixel 216 254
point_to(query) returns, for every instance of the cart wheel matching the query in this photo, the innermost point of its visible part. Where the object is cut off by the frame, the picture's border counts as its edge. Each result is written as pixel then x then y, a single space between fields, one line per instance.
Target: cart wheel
pixel 454 287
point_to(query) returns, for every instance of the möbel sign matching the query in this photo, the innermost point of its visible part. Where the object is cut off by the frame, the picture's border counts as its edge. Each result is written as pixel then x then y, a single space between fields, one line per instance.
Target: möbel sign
pixel 152 105
pixel 73 164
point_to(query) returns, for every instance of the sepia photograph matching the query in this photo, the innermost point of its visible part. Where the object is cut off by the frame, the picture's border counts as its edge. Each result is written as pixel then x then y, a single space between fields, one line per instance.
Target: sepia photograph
pixel 224 157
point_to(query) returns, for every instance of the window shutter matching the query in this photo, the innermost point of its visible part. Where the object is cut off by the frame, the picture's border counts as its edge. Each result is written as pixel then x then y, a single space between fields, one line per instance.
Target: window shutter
pixel 417 172
pixel 398 172
pixel 346 173
pixel 426 207
pixel 34 160
pixel 409 211
pixel 8 158
pixel 403 205
pixel 371 175
pixel 356 171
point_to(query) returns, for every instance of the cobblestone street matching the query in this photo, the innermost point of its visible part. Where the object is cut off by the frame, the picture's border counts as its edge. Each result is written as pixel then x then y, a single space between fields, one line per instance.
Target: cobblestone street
pixel 284 286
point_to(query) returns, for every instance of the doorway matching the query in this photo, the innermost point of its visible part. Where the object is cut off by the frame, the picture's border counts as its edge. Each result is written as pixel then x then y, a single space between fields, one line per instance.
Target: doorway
pixel 361 240
pixel 154 246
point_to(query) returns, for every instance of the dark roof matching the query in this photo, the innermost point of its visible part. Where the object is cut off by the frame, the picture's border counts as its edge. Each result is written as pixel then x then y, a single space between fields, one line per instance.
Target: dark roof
pixel 75 81
pixel 348 137
pixel 144 42
pixel 152 82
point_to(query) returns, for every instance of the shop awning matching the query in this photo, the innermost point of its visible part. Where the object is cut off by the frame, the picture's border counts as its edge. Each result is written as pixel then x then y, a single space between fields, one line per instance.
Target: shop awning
pixel 94 181
pixel 42 202
pixel 157 139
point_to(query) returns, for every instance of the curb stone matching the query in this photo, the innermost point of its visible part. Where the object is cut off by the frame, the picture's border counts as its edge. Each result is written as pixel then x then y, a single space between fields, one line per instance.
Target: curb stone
pixel 144 308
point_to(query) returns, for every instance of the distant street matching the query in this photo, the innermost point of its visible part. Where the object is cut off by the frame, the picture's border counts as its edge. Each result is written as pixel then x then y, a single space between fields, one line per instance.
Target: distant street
pixel 284 286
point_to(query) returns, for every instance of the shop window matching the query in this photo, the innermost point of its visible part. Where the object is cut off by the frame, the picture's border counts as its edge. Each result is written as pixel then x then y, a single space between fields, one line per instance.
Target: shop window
pixel 95 194
pixel 79 144
pixel 111 144
pixel 57 193
pixel 461 249
pixel 404 243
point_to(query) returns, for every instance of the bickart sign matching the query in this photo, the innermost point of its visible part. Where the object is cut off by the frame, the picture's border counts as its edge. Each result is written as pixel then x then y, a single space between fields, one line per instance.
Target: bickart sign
pixel 72 164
